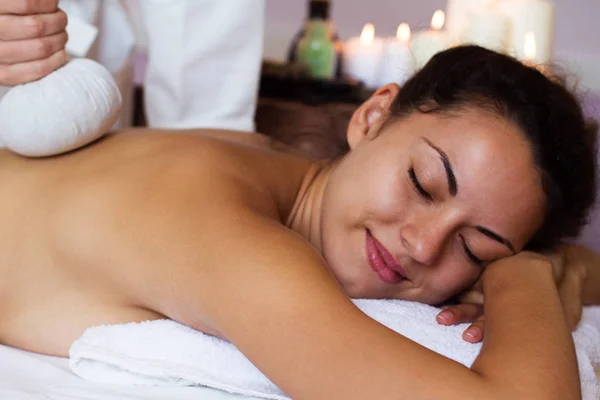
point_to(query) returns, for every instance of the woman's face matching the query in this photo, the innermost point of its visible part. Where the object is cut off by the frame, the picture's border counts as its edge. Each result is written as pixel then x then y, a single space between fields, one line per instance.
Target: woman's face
pixel 418 208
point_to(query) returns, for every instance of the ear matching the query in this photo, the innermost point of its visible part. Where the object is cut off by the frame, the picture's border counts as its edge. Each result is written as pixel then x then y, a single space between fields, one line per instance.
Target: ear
pixel 368 117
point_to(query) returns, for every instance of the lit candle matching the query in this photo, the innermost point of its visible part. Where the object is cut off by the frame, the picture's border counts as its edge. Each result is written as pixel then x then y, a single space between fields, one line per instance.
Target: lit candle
pixel 530 53
pixel 529 16
pixel 425 45
pixel 529 47
pixel 487 28
pixel 362 56
pixel 398 63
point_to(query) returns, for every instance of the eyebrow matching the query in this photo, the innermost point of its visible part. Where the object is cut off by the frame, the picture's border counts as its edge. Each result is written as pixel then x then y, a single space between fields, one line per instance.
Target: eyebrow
pixel 496 237
pixel 453 189
pixel 452 184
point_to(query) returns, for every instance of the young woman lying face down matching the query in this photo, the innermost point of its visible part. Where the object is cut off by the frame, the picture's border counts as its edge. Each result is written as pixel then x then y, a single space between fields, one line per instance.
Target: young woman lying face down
pixel 447 180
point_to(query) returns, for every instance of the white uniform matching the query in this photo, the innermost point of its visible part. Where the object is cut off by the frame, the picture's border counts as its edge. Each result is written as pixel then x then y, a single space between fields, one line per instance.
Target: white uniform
pixel 204 61
pixel 203 57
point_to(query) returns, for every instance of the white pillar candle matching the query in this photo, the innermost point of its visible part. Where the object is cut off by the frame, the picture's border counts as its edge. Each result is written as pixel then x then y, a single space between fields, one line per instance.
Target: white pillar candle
pixel 362 56
pixel 426 44
pixel 458 12
pixel 397 63
pixel 487 28
pixel 530 53
pixel 524 16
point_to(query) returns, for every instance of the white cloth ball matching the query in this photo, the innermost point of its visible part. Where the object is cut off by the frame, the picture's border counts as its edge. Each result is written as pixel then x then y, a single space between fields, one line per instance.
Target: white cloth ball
pixel 65 110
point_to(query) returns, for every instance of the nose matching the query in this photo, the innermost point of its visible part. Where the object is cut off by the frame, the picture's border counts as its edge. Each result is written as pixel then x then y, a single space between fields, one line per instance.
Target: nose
pixel 425 236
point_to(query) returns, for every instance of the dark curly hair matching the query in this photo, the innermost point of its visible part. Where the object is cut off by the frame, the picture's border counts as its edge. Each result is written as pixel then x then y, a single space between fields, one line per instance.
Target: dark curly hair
pixel 547 113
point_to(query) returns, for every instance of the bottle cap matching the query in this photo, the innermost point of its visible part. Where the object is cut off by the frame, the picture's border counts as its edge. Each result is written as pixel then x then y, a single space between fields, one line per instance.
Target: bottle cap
pixel 318 9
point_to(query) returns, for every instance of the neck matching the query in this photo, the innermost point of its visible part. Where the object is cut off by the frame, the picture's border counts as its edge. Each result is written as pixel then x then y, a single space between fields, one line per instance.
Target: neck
pixel 305 217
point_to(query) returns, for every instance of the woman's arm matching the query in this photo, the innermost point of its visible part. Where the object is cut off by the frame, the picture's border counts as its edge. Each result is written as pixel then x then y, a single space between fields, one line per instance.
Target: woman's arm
pixel 267 291
pixel 526 331
pixel 587 264
pixel 576 273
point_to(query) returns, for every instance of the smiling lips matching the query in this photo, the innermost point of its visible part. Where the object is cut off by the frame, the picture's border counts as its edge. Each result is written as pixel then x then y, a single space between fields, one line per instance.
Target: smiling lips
pixel 382 261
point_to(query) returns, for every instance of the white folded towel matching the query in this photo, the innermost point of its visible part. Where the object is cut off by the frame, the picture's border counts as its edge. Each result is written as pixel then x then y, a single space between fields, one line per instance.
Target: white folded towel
pixel 165 353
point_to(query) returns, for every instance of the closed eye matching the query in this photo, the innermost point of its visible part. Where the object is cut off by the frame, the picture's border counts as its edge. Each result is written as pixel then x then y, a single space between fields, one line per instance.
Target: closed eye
pixel 472 257
pixel 417 185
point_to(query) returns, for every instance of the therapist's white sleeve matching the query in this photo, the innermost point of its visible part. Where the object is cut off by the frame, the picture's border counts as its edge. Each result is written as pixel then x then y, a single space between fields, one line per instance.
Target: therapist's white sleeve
pixel 204 59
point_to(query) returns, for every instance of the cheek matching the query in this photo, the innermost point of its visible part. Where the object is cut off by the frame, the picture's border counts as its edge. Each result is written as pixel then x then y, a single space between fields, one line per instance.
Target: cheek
pixel 451 279
pixel 343 254
pixel 388 197
pixel 373 184
pixel 382 197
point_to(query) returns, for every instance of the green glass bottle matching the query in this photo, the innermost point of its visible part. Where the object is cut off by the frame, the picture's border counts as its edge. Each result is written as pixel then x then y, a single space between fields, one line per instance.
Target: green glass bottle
pixel 317 48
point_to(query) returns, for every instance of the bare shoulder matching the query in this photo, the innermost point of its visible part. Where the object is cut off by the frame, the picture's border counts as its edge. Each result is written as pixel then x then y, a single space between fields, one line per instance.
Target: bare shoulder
pixel 124 202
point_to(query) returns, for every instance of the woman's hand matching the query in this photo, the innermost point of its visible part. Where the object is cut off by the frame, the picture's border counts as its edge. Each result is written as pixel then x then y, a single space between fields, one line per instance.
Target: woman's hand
pixel 569 272
pixel 468 309
pixel 32 40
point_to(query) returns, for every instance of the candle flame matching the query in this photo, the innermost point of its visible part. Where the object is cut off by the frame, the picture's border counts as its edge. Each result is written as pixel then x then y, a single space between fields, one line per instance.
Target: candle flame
pixel 403 33
pixel 368 34
pixel 530 46
pixel 438 19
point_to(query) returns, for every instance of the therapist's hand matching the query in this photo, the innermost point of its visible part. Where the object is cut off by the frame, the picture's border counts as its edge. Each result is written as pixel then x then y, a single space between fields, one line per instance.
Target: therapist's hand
pixel 32 40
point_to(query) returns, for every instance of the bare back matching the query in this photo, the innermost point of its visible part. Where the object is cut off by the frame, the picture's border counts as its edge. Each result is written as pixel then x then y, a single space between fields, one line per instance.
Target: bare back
pixel 75 228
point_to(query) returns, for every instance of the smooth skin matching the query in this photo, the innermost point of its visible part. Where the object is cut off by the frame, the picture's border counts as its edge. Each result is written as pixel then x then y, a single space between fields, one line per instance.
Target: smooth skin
pixel 222 233
pixel 32 40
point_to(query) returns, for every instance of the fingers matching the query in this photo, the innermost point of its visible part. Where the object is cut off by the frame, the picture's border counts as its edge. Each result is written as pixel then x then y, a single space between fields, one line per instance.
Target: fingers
pixel 474 333
pixel 31 46
pixel 27 6
pixel 460 313
pixel 32 49
pixel 15 74
pixel 19 27
pixel 570 290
